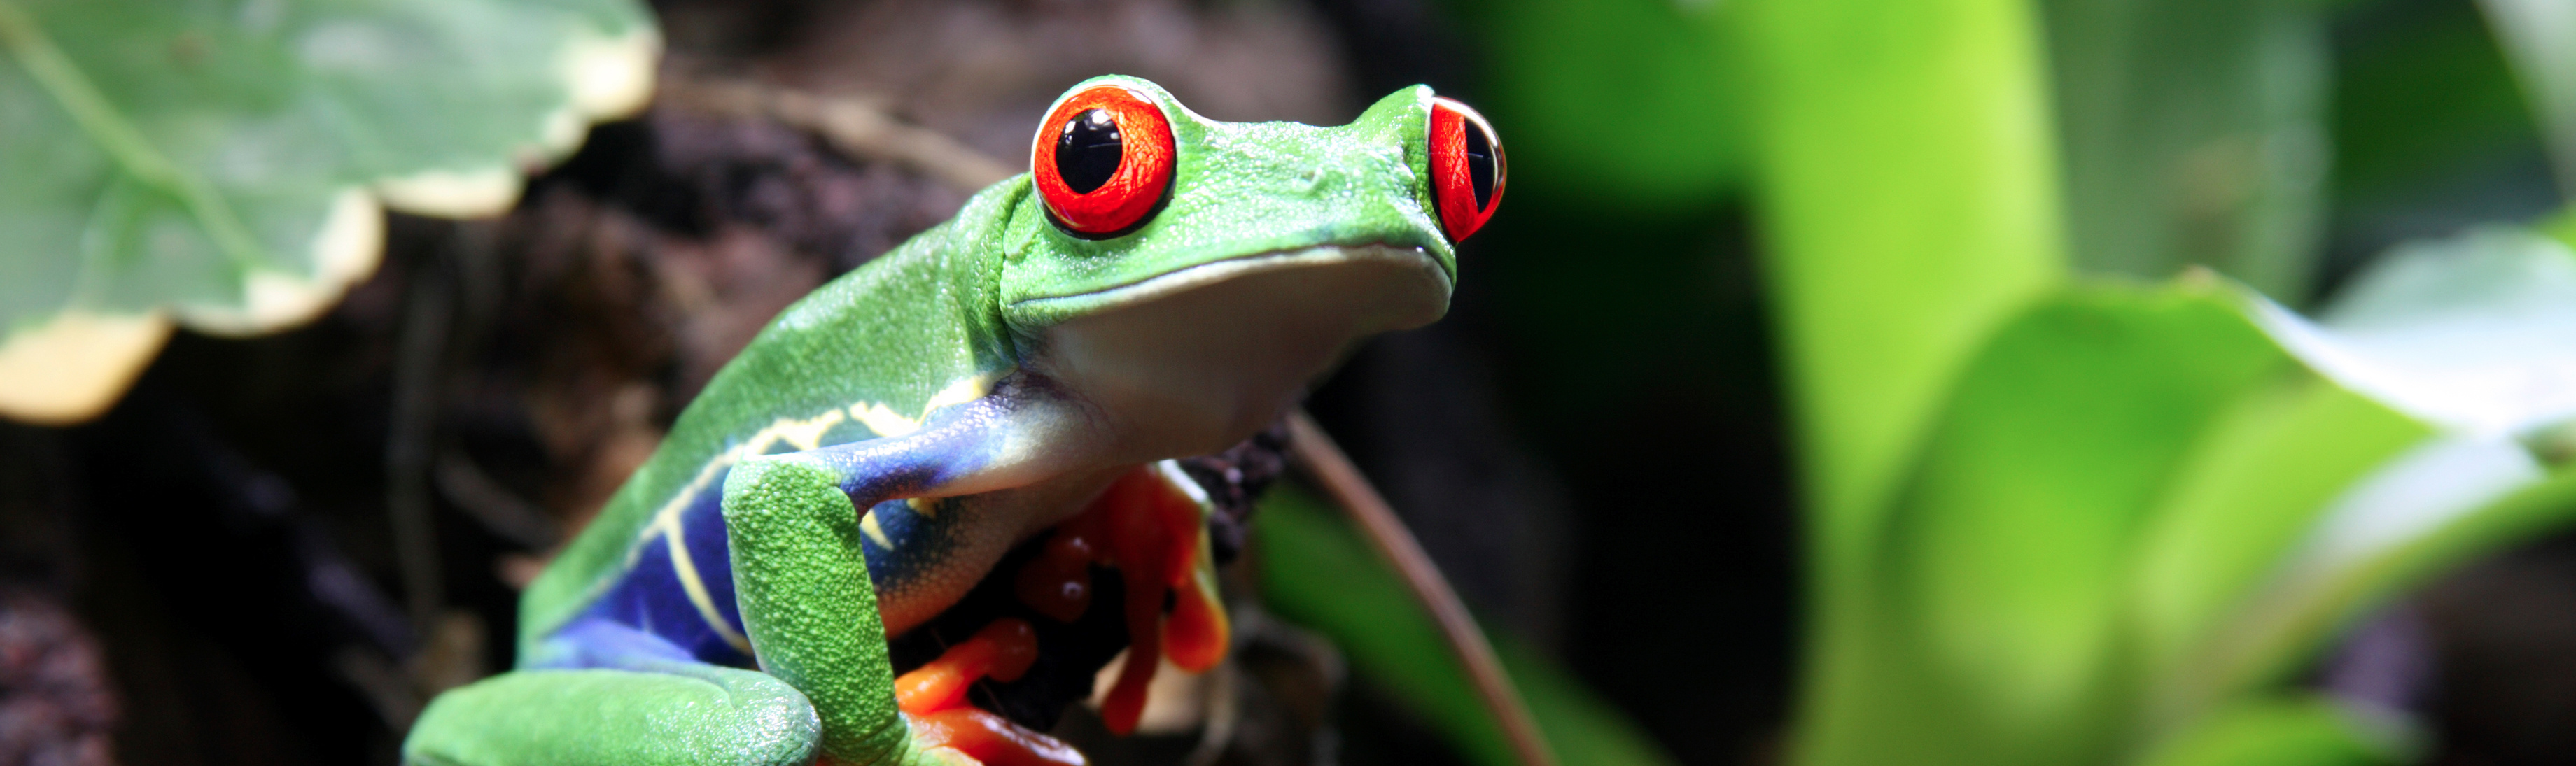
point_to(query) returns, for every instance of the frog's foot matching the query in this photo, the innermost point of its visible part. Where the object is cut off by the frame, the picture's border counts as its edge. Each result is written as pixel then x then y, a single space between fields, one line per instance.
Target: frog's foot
pixel 1152 525
pixel 692 714
pixel 933 699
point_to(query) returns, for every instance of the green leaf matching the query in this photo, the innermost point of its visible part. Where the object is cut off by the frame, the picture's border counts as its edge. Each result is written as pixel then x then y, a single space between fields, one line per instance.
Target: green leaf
pixel 220 164
pixel 2194 134
pixel 2305 731
pixel 1908 203
pixel 2435 505
pixel 2476 333
pixel 1315 571
pixel 1989 631
pixel 2539 37
pixel 2063 434
pixel 1906 185
pixel 2254 482
pixel 1564 71
pixel 2145 506
pixel 2257 486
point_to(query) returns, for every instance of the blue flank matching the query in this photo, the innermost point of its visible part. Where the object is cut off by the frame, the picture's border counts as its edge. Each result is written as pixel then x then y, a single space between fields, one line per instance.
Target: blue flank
pixel 649 598
pixel 646 613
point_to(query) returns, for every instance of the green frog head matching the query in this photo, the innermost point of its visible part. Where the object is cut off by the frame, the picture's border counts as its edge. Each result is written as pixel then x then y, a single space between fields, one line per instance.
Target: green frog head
pixel 1201 273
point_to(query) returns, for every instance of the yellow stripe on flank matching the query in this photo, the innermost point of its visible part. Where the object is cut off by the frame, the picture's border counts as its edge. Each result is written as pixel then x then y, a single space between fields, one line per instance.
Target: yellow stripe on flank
pixel 886 422
pixel 883 420
pixel 687 569
pixel 961 391
pixel 800 434
pixel 868 526
pixel 922 506
pixel 804 434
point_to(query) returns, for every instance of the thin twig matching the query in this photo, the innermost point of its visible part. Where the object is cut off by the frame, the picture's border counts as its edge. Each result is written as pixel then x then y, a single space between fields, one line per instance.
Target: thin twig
pixel 418 351
pixel 1353 492
pixel 467 487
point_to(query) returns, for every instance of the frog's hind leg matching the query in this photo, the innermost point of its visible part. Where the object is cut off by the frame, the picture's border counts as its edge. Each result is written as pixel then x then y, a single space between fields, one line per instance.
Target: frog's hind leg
pixel 673 714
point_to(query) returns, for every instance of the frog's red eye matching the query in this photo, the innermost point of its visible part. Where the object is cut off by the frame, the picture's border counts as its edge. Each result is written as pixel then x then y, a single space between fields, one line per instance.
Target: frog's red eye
pixel 1103 161
pixel 1467 168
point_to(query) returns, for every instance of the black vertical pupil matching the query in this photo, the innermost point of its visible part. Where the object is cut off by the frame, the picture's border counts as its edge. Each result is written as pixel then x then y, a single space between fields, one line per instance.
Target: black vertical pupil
pixel 1087 152
pixel 1480 164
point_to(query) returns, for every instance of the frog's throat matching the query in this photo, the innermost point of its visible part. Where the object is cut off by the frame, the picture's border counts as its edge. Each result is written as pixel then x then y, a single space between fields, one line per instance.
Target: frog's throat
pixel 1194 361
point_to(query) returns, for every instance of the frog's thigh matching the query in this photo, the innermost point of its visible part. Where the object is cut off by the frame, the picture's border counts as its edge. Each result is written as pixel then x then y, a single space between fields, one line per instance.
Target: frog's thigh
pixel 707 715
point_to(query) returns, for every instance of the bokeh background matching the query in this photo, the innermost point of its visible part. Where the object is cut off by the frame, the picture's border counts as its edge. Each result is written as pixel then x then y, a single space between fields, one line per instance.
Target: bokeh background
pixel 1748 248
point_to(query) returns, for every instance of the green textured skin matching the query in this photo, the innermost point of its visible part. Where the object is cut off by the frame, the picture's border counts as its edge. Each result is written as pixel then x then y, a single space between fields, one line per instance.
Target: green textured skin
pixel 710 715
pixel 962 299
pixel 808 605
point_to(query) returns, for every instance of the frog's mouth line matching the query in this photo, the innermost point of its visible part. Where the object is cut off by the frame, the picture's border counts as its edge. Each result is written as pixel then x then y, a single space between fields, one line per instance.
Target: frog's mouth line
pixel 1206 274
pixel 1193 361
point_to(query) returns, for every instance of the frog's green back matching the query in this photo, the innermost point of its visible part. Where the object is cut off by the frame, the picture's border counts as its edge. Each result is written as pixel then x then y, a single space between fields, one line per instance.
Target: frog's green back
pixel 866 354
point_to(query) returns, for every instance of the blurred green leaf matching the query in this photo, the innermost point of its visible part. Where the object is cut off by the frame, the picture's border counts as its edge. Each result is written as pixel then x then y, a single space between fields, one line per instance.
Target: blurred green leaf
pixel 2143 507
pixel 2476 333
pixel 1906 185
pixel 1315 571
pixel 1908 202
pixel 2255 480
pixel 2062 435
pixel 221 163
pixel 2194 134
pixel 2304 731
pixel 1998 595
pixel 2539 37
pixel 2434 506
pixel 1562 72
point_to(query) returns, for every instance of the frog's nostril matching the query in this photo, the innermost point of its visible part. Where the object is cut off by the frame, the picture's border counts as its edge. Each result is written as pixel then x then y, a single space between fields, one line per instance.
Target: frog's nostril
pixel 1314 178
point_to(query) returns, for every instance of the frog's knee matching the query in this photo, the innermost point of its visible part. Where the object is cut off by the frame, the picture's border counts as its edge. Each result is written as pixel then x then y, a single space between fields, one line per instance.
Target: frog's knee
pixel 717 716
pixel 775 484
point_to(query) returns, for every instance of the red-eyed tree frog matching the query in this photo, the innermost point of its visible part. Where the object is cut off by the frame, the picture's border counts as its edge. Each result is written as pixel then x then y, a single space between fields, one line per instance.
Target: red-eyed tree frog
pixel 1157 285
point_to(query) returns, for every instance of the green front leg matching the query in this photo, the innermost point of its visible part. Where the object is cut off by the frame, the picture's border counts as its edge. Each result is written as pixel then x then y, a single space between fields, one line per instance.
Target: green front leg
pixel 677 714
pixel 810 610
pixel 826 696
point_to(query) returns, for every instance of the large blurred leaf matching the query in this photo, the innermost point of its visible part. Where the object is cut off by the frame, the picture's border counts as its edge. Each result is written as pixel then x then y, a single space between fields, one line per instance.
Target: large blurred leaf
pixel 2142 509
pixel 2060 438
pixel 220 163
pixel 1908 205
pixel 1995 604
pixel 1315 571
pixel 2254 481
pixel 2475 333
pixel 2194 135
pixel 1907 190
